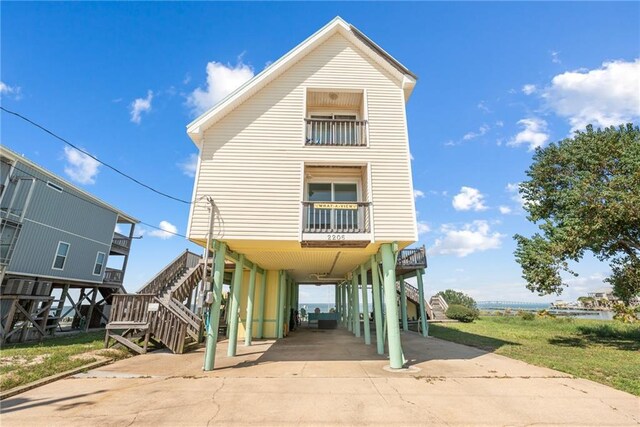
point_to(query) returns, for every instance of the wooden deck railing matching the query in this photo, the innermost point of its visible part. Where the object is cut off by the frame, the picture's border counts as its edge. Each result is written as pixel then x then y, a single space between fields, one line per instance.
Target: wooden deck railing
pixel 111 275
pixel 130 308
pixel 336 217
pixel 120 243
pixel 322 132
pixel 412 258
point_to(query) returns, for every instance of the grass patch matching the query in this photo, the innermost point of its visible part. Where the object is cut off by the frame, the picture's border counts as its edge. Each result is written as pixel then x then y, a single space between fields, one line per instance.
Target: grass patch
pixel 605 352
pixel 23 363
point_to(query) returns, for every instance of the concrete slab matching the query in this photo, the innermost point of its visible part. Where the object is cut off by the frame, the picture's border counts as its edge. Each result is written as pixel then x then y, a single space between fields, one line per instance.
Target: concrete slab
pixel 329 378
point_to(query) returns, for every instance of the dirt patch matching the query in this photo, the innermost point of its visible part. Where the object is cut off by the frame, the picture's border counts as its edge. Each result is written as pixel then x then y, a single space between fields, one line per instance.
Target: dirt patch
pixel 11 361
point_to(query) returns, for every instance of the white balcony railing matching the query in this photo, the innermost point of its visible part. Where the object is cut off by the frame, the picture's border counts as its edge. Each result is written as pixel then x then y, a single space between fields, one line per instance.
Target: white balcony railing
pixel 333 132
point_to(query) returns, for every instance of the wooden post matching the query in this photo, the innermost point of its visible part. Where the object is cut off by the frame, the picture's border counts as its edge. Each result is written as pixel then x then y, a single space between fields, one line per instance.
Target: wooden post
pixel 252 289
pixel 356 305
pixel 377 306
pixel 403 305
pixel 90 312
pixel 345 305
pixel 423 311
pixel 393 329
pixel 60 307
pixel 263 289
pixel 213 324
pixel 8 324
pixel 349 289
pixel 235 303
pixel 365 305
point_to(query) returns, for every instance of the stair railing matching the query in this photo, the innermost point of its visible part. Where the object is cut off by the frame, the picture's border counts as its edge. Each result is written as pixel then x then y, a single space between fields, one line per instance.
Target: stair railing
pixel 158 284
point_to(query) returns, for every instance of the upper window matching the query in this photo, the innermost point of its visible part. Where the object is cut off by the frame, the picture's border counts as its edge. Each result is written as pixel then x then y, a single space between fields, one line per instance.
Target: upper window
pixel 54 186
pixel 97 268
pixel 61 256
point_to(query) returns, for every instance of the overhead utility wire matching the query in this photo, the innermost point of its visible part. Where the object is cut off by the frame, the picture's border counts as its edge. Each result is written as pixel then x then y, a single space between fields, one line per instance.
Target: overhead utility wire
pixel 177 199
pixel 95 204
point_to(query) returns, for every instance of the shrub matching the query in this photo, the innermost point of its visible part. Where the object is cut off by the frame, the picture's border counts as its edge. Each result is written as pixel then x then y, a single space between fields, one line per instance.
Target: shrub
pixel 462 313
pixel 625 313
pixel 526 315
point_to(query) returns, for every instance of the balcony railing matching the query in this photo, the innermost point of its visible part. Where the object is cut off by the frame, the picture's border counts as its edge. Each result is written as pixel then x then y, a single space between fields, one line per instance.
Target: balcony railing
pixel 336 217
pixel 111 275
pixel 120 243
pixel 351 133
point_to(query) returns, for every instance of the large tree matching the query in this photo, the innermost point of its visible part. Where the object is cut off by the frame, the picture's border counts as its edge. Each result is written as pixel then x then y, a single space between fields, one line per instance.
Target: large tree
pixel 584 194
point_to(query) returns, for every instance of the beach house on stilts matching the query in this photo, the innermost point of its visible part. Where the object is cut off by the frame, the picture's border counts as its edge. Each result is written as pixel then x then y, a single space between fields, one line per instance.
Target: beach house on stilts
pixel 304 177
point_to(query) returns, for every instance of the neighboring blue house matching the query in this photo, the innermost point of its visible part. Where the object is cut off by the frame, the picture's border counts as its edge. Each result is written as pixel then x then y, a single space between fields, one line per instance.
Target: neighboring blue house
pixel 55 243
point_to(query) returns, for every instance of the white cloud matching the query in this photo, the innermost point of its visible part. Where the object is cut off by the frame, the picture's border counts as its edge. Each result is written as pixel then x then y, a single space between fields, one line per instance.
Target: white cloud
pixel 514 189
pixel 481 131
pixel 499 123
pixel 167 231
pixel 606 96
pixel 534 134
pixel 80 167
pixel 423 228
pixel 528 89
pixel 139 106
pixel 482 105
pixel 505 210
pixel 189 165
pixel 555 58
pixel 469 199
pixel 417 194
pixel 473 237
pixel 6 90
pixel 221 81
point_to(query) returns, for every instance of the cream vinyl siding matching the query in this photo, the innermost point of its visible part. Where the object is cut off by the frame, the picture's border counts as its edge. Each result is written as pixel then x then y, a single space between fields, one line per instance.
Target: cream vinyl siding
pixel 252 159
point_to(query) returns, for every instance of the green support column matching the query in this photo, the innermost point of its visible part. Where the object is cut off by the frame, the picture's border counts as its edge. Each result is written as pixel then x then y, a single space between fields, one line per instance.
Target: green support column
pixel 214 309
pixel 263 290
pixel 336 300
pixel 228 304
pixel 356 305
pixel 281 299
pixel 235 304
pixel 252 289
pixel 345 305
pixel 365 305
pixel 349 307
pixel 393 329
pixel 377 306
pixel 403 305
pixel 340 312
pixel 423 312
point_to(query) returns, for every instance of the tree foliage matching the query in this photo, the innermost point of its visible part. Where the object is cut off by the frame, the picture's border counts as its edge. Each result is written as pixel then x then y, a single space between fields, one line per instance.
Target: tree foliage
pixel 584 194
pixel 457 298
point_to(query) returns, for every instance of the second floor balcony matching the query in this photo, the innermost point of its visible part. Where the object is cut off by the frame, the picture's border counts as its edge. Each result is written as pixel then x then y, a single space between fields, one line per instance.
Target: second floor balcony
pixel 335 131
pixel 120 244
pixel 330 224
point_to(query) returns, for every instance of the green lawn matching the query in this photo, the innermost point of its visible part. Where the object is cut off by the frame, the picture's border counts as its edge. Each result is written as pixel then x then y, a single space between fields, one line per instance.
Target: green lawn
pixel 606 352
pixel 23 363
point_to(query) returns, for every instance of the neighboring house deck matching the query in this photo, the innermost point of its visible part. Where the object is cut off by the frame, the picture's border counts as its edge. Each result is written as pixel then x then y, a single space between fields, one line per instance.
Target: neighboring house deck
pixel 56 247
pixel 307 173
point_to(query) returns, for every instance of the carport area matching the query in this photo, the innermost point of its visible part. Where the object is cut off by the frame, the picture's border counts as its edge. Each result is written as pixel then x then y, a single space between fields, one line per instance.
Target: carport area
pixel 323 377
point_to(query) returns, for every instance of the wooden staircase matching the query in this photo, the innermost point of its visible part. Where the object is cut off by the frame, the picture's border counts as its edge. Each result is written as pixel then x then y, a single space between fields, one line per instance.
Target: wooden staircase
pixel 414 296
pixel 157 312
pixel 439 307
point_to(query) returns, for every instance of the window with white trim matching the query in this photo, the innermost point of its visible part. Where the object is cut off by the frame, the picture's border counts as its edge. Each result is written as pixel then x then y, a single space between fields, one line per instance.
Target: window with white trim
pixel 61 256
pixel 99 265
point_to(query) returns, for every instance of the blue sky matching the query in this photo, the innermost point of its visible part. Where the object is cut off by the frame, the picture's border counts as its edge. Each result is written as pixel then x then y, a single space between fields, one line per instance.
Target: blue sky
pixel 122 80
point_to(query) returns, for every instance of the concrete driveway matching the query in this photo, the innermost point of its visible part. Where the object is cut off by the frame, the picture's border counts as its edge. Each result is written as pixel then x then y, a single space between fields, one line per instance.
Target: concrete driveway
pixel 323 377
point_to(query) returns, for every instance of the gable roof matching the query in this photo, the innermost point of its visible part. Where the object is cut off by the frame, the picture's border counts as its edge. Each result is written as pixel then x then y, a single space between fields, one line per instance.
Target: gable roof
pixel 196 128
pixel 14 157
